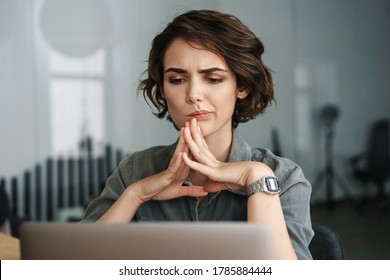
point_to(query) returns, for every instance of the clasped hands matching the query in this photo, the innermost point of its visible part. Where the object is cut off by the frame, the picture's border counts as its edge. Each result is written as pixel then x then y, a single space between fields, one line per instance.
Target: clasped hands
pixel 193 153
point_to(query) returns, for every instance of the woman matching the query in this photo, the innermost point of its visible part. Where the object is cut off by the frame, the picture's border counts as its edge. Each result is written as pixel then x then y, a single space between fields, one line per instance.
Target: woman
pixel 206 75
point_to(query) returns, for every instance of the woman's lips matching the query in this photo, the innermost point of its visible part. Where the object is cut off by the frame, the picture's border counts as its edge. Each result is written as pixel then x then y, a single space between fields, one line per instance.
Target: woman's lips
pixel 200 115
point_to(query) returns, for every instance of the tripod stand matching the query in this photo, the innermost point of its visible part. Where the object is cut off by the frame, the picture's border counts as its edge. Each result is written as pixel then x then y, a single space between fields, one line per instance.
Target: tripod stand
pixel 329 173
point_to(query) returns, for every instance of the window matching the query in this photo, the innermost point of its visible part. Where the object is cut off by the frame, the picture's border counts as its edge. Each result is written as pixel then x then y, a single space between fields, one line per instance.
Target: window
pixel 77 101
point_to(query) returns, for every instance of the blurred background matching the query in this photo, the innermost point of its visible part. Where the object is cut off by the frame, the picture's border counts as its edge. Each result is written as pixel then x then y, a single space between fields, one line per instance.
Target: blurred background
pixel 69 109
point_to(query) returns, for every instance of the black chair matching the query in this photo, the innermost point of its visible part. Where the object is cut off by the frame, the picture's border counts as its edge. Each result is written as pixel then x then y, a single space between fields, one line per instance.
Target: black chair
pixel 374 164
pixel 326 244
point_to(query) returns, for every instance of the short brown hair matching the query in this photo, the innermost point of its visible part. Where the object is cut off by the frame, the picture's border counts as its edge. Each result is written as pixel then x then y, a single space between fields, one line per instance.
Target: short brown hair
pixel 227 36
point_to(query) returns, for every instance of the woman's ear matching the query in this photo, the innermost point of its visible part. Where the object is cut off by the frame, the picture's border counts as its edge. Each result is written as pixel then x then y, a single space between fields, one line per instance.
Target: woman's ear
pixel 242 93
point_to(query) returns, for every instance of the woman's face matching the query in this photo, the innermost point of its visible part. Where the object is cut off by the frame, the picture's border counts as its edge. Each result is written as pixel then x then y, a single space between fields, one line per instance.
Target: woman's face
pixel 199 84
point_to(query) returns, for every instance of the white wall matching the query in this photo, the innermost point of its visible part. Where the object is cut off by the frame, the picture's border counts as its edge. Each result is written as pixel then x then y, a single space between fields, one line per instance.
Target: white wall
pixel 23 139
pixel 320 51
pixel 271 21
pixel 131 124
pixel 278 56
pixel 341 57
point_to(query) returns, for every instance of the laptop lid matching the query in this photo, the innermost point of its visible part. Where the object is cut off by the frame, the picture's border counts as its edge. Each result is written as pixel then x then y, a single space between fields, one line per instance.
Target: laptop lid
pixel 145 241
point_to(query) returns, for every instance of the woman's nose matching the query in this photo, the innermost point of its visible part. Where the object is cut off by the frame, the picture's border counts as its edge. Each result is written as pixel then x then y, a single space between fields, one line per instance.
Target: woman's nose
pixel 194 92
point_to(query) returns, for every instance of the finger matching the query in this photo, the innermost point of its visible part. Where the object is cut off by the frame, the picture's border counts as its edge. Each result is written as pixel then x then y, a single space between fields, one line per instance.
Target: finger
pixel 220 186
pixel 183 171
pixel 197 134
pixel 192 191
pixel 215 186
pixel 200 152
pixel 184 145
pixel 181 143
pixel 197 166
pixel 175 166
pixel 180 147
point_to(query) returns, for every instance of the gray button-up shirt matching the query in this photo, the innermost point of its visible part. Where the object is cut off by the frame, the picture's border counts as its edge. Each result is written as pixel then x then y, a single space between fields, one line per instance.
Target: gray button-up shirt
pixel 219 206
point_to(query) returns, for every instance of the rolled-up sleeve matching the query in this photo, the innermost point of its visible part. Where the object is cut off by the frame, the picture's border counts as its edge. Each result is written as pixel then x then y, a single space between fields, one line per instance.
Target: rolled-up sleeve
pixel 295 200
pixel 112 190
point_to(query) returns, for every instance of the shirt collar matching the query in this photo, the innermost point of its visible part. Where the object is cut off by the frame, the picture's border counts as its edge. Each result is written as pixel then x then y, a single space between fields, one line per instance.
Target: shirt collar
pixel 240 150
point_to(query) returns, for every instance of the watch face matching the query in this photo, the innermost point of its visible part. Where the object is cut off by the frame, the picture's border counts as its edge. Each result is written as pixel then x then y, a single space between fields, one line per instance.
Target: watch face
pixel 272 184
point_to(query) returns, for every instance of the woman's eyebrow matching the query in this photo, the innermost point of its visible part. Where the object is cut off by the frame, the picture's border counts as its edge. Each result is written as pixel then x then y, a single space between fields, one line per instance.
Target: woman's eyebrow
pixel 205 71
pixel 176 70
pixel 211 70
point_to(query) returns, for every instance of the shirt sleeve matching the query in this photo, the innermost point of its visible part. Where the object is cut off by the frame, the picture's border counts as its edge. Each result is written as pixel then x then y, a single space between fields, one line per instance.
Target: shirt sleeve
pixel 112 190
pixel 133 168
pixel 295 199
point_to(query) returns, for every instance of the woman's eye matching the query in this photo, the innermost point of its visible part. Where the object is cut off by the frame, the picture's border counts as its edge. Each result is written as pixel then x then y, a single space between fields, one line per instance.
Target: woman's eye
pixel 176 81
pixel 214 80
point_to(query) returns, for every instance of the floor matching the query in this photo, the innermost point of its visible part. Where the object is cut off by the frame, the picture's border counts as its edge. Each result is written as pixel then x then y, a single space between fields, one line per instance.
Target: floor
pixel 364 228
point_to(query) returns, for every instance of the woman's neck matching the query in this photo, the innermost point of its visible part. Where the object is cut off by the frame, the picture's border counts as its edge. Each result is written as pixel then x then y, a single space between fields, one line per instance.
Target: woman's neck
pixel 220 144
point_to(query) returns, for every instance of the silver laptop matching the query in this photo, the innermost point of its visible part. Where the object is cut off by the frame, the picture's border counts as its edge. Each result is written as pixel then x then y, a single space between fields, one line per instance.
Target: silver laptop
pixel 145 241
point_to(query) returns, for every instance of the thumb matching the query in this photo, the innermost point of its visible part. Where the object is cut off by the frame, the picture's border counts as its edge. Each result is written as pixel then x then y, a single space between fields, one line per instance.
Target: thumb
pixel 192 191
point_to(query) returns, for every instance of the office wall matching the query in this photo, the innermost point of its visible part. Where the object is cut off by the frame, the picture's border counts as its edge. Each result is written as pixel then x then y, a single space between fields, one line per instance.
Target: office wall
pixel 272 22
pixel 320 51
pixel 341 58
pixel 23 111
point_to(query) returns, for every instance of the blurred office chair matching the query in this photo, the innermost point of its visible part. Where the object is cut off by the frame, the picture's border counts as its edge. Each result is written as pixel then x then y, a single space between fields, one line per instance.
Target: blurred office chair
pixel 275 139
pixel 4 205
pixel 374 164
pixel 326 244
pixel 7 220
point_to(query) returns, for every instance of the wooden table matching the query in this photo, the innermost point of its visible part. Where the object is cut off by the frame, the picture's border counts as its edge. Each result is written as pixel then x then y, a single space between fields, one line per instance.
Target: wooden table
pixel 9 247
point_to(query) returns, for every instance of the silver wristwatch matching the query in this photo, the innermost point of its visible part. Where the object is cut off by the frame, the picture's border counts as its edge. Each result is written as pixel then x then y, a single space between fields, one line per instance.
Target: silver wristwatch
pixel 268 184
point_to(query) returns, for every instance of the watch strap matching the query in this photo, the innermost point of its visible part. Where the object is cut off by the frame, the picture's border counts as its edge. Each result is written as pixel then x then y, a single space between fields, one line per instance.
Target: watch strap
pixel 267 184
